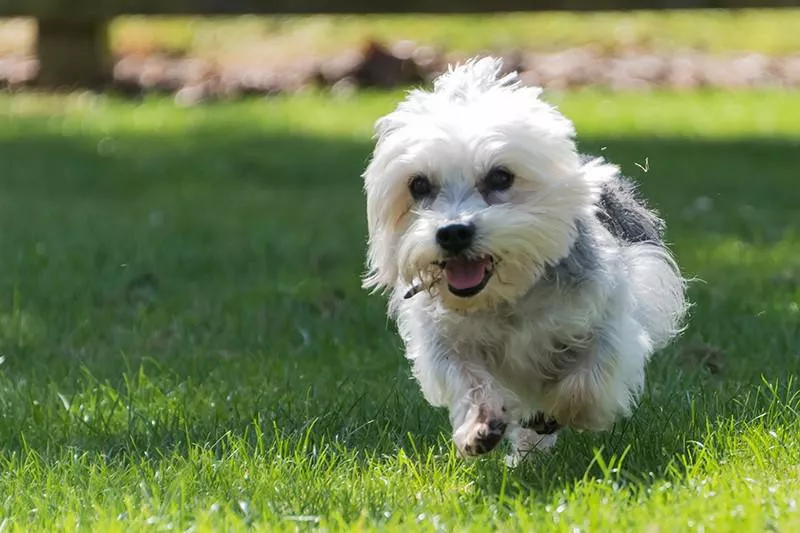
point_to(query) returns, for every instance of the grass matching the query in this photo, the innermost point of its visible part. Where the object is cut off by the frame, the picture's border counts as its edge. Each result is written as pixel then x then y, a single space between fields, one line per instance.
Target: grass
pixel 280 38
pixel 185 344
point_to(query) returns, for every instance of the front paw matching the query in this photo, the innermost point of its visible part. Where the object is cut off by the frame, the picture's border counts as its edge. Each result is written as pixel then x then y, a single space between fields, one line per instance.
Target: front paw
pixel 541 424
pixel 480 436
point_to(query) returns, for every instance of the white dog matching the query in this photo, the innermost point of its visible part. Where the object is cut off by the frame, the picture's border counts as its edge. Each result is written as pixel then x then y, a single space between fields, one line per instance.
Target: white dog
pixel 529 283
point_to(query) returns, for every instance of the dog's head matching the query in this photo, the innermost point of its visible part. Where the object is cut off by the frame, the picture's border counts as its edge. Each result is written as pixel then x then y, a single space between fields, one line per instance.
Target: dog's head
pixel 473 189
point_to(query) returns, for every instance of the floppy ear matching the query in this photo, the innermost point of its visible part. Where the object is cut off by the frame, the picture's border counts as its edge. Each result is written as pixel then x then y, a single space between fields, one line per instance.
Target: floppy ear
pixel 387 195
pixel 382 269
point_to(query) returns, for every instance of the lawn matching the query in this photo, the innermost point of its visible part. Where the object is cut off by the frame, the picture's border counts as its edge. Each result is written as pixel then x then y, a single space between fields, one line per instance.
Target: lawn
pixel 184 344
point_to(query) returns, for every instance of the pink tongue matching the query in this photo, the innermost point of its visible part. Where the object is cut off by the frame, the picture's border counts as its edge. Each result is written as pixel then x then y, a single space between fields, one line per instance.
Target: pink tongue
pixel 465 273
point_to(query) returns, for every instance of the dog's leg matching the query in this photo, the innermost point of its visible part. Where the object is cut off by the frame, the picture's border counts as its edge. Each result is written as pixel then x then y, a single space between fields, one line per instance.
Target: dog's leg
pixel 606 380
pixel 478 413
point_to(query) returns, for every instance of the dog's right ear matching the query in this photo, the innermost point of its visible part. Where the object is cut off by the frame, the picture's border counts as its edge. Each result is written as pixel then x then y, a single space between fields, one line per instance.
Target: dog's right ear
pixel 388 124
pixel 385 202
pixel 382 270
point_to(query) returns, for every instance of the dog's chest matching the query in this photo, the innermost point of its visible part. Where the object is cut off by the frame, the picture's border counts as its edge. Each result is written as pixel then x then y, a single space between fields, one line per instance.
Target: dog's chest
pixel 501 342
pixel 526 348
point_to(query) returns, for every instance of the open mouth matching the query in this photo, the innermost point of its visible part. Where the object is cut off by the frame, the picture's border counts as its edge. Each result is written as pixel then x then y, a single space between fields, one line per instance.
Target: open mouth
pixel 466 276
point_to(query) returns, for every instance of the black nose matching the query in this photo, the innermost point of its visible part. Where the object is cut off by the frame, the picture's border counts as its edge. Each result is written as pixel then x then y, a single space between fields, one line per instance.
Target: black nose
pixel 455 237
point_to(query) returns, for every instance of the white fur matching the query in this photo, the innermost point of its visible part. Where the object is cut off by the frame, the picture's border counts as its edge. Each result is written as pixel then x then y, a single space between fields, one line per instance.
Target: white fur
pixel 522 345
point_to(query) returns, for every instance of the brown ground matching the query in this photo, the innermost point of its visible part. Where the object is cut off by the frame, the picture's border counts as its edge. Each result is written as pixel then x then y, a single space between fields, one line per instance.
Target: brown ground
pixel 403 64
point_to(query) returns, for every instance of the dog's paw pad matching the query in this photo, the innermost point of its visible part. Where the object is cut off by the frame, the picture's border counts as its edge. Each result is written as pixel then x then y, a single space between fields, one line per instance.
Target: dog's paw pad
pixel 485 437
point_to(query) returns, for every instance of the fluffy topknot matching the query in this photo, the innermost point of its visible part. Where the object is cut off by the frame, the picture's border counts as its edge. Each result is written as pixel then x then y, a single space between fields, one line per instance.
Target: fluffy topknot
pixel 478 75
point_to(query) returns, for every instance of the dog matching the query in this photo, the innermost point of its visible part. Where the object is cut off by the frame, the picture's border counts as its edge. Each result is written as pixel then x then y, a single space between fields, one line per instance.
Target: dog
pixel 530 283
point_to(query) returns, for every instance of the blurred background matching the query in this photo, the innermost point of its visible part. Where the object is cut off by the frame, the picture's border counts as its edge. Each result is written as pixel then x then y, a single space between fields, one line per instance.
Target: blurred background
pixel 242 53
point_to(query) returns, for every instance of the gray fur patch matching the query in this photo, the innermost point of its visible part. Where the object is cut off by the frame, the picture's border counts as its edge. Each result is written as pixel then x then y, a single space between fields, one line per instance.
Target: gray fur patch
pixel 626 215
pixel 581 262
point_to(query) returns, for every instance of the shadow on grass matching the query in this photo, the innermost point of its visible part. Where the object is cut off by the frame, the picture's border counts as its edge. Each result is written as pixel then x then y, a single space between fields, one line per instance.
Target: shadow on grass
pixel 230 257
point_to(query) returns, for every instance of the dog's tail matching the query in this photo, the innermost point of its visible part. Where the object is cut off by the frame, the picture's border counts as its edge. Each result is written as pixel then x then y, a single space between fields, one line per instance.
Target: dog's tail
pixel 660 292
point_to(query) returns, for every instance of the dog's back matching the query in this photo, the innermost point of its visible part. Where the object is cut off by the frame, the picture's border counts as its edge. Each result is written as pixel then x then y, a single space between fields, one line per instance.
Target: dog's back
pixel 626 216
pixel 655 277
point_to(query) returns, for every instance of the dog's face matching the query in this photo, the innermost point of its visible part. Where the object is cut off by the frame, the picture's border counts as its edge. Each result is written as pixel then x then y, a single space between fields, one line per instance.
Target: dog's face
pixel 472 190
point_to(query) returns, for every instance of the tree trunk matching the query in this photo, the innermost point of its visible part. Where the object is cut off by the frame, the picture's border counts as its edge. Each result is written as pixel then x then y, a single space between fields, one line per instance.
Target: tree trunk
pixel 73 54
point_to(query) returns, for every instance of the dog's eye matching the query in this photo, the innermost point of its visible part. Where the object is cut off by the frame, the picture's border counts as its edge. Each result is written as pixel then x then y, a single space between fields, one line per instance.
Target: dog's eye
pixel 498 179
pixel 420 187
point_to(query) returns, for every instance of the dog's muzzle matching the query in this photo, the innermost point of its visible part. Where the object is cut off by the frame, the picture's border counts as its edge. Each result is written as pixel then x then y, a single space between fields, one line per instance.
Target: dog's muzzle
pixel 466 276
